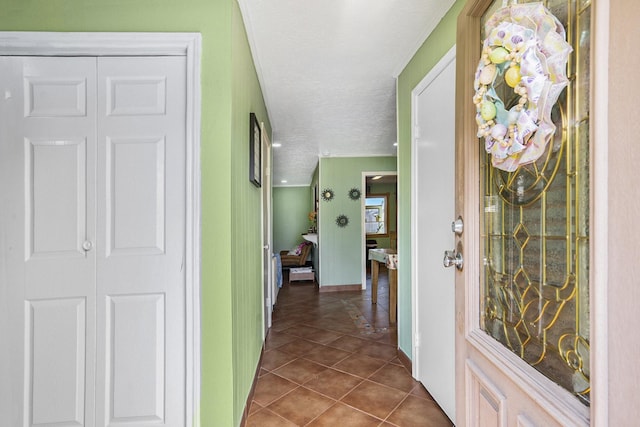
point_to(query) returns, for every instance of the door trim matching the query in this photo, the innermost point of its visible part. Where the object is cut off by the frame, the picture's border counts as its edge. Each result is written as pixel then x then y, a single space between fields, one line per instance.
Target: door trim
pixel 363 231
pixel 599 185
pixel 14 43
pixel 269 292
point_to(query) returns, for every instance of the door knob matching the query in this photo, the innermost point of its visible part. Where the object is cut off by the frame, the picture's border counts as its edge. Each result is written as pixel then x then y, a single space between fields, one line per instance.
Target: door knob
pixel 453 258
pixel 87 245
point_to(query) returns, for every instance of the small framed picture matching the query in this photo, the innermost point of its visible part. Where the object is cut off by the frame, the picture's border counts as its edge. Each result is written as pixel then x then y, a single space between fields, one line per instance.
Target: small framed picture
pixel 255 151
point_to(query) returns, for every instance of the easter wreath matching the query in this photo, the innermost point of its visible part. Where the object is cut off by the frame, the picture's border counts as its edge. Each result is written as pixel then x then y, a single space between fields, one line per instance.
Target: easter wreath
pixel 526 48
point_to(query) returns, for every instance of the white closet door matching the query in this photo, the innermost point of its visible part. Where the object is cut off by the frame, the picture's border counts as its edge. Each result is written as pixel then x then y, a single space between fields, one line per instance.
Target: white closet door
pixel 92 241
pixel 47 266
pixel 141 229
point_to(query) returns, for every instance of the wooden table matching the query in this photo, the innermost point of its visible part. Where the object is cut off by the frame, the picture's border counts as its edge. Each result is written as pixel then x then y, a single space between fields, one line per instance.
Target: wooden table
pixel 378 256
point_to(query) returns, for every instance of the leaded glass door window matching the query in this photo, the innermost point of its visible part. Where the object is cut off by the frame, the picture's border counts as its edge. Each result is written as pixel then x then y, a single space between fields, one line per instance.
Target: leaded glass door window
pixel 534 225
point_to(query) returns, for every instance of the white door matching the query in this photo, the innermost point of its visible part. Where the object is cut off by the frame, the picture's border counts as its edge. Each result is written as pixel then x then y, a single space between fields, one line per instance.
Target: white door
pixel 433 112
pixel 141 240
pixel 93 241
pixel 522 297
pixel 48 121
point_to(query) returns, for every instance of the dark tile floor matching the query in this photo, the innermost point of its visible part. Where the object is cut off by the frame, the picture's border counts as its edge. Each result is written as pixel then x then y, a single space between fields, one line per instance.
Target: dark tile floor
pixel 330 360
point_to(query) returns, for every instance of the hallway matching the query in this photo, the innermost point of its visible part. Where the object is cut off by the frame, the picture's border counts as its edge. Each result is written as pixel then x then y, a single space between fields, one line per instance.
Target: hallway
pixel 330 360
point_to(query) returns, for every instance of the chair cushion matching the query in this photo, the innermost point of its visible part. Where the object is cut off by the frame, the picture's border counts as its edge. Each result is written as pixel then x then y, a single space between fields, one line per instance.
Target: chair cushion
pixel 298 249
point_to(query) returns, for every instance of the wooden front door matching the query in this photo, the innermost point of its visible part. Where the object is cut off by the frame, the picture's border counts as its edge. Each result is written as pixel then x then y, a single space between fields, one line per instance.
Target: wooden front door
pixel 522 298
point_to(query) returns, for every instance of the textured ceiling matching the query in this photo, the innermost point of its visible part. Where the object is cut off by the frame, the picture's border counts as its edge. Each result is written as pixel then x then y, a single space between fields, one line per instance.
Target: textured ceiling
pixel 327 70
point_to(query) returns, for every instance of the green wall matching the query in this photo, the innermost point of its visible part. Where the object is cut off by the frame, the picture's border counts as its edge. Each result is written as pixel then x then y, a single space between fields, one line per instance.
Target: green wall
pixel 341 248
pixel 291 207
pixel 231 256
pixel 432 50
pixel 247 319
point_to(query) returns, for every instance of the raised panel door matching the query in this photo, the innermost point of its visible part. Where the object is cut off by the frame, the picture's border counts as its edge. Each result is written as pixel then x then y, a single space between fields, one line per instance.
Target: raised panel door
pixel 92 235
pixel 141 229
pixel 47 141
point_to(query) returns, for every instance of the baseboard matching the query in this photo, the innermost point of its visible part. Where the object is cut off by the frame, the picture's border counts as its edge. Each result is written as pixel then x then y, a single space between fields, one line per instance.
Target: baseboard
pixel 247 405
pixel 341 288
pixel 405 360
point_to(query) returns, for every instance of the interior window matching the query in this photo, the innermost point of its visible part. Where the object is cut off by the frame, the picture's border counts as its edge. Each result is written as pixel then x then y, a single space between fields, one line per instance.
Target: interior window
pixel 376 215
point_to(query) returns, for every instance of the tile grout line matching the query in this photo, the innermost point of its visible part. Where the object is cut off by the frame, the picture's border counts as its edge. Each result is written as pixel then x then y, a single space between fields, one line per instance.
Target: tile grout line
pixel 276 414
pixel 396 407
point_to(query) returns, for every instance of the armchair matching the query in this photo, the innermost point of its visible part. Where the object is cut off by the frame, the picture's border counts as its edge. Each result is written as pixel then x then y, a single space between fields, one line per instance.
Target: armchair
pixel 296 260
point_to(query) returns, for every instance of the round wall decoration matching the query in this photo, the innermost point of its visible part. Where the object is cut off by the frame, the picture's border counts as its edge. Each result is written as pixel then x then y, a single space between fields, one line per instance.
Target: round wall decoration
pixel 342 221
pixel 526 50
pixel 327 194
pixel 354 194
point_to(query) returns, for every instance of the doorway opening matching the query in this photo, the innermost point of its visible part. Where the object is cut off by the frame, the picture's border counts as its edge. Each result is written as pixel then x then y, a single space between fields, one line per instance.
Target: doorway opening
pixel 379 214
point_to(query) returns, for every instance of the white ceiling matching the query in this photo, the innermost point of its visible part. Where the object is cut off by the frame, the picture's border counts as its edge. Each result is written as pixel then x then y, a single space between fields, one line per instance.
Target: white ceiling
pixel 327 70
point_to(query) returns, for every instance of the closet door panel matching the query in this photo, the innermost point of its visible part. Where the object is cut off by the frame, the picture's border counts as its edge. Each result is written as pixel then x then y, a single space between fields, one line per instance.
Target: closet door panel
pixel 136 326
pixel 135 196
pixel 55 172
pixel 56 338
pixel 47 266
pixel 141 224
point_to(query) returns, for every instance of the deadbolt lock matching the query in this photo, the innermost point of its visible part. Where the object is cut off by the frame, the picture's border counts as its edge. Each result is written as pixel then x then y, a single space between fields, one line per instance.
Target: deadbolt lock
pixel 457 226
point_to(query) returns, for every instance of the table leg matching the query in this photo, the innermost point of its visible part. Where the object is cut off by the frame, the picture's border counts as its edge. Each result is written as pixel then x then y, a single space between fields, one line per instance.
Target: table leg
pixel 393 294
pixel 374 281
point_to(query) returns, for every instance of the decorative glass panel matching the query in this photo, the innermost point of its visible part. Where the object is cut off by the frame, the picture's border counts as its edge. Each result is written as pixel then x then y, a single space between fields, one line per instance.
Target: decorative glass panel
pixel 535 230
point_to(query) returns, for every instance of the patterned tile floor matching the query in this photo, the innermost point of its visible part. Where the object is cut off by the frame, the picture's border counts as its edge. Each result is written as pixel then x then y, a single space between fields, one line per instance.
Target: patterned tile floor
pixel 330 360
